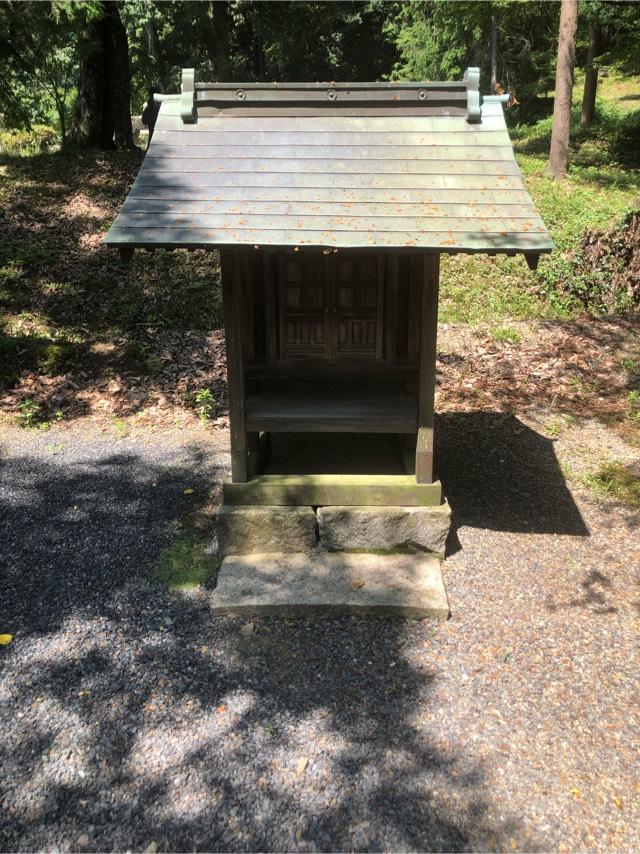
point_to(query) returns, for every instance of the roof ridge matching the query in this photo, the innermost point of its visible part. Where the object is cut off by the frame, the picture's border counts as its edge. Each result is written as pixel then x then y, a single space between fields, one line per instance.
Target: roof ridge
pixel 459 94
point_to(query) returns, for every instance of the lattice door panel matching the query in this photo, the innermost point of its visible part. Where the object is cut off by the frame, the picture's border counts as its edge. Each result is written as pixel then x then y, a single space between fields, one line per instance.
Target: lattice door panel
pixel 331 307
pixel 304 306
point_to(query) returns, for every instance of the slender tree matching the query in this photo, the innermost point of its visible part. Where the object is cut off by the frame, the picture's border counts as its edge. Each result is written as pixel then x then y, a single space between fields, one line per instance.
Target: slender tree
pixel 221 39
pixel 591 75
pixel 560 132
pixel 155 53
pixel 493 53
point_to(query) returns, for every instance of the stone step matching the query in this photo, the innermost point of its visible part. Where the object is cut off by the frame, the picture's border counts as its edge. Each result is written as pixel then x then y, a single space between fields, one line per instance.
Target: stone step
pixel 330 585
pixel 243 529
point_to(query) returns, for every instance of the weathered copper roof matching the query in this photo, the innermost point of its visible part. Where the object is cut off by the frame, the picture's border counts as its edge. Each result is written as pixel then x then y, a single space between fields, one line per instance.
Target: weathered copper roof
pixel 403 166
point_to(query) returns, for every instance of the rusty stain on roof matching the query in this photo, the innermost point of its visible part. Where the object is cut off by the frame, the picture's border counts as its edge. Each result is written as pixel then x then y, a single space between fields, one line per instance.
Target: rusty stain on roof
pixel 271 172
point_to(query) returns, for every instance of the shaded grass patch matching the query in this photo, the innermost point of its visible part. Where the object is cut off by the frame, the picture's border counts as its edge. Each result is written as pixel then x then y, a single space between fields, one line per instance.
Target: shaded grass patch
pixel 186 564
pixel 614 480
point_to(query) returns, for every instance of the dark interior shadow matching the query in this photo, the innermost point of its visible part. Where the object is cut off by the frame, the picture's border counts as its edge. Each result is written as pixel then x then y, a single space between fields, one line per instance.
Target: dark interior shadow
pixel 334 453
pixel 93 658
pixel 499 474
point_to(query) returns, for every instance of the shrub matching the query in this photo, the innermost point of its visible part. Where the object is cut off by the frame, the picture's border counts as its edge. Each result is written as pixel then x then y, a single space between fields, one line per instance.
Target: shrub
pixel 54 358
pixel 205 404
pixel 603 275
pixel 29 411
pixel 38 139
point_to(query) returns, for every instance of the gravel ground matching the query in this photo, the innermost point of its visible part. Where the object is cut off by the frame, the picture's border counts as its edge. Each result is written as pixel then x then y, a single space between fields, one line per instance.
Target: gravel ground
pixel 132 719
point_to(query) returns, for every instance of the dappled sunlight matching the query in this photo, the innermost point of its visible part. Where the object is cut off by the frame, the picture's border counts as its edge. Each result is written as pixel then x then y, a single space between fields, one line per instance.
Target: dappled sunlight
pixel 182 739
pixel 106 687
pixel 131 708
pixel 59 286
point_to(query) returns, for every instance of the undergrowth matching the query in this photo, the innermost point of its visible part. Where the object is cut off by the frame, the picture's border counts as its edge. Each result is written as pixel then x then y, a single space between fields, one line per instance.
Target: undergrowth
pixel 614 480
pixel 598 193
pixel 185 564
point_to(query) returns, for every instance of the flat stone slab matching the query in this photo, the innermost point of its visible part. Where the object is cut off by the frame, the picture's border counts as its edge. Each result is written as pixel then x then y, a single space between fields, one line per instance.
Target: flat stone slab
pixel 331 584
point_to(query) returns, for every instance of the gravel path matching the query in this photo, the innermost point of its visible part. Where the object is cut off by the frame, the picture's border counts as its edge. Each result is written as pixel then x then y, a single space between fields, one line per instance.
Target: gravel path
pixel 132 719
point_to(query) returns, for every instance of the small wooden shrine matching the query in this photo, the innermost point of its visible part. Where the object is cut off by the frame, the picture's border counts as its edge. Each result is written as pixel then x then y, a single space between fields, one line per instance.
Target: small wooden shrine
pixel 331 204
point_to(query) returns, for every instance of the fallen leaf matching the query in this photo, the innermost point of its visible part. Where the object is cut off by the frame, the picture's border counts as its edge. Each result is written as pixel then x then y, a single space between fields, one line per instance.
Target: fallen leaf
pixel 302 765
pixel 221 710
pixel 187 491
pixel 618 803
pixel 5 640
pixel 577 793
pixel 359 582
pixel 83 693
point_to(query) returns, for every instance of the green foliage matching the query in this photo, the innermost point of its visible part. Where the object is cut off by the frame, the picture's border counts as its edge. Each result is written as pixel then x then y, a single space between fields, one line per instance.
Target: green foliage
pixel 205 404
pixel 477 289
pixel 620 24
pixel 594 275
pixel 38 62
pixel 29 410
pixel 185 564
pixel 53 358
pixel 20 141
pixel 438 39
pixel 267 41
pixel 506 333
pixel 614 480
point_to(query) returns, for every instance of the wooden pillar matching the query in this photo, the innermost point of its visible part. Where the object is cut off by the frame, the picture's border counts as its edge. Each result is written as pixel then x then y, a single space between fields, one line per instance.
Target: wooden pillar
pixel 270 279
pixel 427 368
pixel 232 293
pixel 391 309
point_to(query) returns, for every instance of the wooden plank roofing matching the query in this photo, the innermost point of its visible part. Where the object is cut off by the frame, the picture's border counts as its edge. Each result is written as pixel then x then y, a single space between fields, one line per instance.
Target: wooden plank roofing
pixel 396 166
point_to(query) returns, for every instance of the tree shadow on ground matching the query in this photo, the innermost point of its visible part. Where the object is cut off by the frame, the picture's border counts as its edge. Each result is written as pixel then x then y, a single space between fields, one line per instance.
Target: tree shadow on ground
pixel 128 729
pixel 596 588
pixel 499 474
pixel 74 317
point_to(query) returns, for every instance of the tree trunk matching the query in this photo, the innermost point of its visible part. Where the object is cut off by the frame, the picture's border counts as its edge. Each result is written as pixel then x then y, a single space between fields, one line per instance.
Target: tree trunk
pixel 102 117
pixel 61 108
pixel 559 152
pixel 222 43
pixel 155 53
pixel 88 116
pixel 493 50
pixel 120 79
pixel 591 76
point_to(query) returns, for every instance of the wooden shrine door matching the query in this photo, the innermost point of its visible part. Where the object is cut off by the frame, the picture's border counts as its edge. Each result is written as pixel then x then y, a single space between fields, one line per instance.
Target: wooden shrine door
pixel 331 307
pixel 357 305
pixel 303 295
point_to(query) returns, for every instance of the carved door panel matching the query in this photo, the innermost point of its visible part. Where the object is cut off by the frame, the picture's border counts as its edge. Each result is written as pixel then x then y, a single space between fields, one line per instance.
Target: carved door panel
pixel 357 308
pixel 304 307
pixel 331 306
